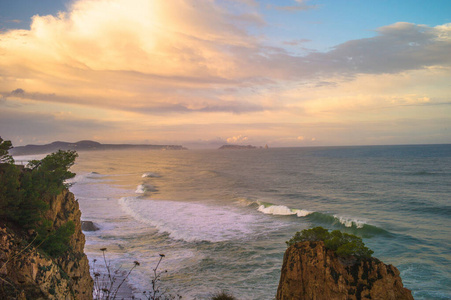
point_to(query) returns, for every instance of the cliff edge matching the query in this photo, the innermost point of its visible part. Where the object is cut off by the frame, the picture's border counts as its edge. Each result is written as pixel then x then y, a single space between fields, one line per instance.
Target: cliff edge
pixel 310 271
pixel 26 272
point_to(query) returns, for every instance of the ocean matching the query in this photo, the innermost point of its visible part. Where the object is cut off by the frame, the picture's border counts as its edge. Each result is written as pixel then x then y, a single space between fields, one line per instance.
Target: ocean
pixel 221 218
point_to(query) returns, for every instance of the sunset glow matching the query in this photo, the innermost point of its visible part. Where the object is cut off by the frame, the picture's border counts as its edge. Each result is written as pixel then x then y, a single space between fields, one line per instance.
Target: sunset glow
pixel 207 72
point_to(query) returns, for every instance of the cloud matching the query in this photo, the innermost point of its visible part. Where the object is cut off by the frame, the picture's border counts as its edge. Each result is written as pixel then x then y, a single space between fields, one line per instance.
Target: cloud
pixel 188 56
pixel 17 92
pixel 398 47
pixel 21 93
pixel 237 139
pixel 134 54
pixel 154 69
pixel 374 94
pixel 49 126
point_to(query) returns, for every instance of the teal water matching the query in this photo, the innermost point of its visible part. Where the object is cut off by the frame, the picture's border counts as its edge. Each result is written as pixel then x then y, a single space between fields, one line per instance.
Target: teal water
pixel 222 217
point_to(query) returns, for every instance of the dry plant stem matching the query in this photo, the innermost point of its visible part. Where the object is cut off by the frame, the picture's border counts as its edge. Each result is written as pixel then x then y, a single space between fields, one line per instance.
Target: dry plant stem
pixel 156 276
pixel 111 279
pixel 20 252
pixel 101 292
pixel 123 280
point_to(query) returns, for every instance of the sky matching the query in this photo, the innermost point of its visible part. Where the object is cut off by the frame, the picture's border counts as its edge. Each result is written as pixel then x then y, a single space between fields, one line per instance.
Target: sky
pixel 202 73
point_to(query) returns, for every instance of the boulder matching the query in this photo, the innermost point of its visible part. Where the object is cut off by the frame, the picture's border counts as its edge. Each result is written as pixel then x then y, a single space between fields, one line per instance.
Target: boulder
pixel 88 226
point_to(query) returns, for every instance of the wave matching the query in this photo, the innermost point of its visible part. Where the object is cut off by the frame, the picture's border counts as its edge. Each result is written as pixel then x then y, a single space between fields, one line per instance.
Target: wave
pixel 281 210
pixel 151 175
pixel 349 223
pixel 85 178
pixel 144 188
pixel 343 222
pixel 190 222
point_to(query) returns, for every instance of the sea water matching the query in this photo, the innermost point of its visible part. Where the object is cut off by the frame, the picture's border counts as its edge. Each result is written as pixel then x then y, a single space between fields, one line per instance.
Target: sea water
pixel 221 218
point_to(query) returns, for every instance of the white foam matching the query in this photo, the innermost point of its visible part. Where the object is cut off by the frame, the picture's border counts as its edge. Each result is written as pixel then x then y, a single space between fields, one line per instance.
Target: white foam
pixel 350 222
pixel 302 212
pixel 282 210
pixel 143 188
pixel 87 177
pixel 189 221
pixel 140 189
pixel 150 174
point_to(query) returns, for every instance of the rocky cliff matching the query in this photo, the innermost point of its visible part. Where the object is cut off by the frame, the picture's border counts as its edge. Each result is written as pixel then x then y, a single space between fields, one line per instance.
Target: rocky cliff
pixel 310 271
pixel 28 273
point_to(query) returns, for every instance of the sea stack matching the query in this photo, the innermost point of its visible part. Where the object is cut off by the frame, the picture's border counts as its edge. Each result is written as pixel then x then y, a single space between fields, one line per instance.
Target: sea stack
pixel 310 271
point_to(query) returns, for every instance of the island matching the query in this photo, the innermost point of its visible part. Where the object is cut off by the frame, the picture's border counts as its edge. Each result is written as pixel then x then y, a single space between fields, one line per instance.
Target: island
pixel 86 145
pixel 237 147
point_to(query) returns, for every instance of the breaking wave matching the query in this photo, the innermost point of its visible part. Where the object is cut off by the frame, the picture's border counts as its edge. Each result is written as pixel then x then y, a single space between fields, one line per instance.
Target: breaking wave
pixel 144 188
pixel 190 222
pixel 151 175
pixel 281 210
pixel 343 222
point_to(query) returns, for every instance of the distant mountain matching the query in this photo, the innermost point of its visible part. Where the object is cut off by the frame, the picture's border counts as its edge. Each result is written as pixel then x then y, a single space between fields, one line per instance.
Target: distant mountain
pixel 237 147
pixel 85 146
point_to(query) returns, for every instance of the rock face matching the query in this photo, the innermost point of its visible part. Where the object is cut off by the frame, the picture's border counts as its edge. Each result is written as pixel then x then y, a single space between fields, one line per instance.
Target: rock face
pixel 27 273
pixel 310 271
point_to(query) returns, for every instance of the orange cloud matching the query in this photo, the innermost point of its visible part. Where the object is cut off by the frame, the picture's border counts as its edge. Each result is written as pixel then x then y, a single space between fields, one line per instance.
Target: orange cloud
pixel 237 139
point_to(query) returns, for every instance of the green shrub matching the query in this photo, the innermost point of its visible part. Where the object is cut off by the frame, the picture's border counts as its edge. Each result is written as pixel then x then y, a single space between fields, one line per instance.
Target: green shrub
pixel 5 158
pixel 223 295
pixel 50 173
pixel 9 188
pixel 25 195
pixel 56 242
pixel 342 243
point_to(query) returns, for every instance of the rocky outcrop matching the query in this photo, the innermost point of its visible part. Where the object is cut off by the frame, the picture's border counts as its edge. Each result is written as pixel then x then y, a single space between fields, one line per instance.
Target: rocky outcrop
pixel 89 226
pixel 28 273
pixel 310 271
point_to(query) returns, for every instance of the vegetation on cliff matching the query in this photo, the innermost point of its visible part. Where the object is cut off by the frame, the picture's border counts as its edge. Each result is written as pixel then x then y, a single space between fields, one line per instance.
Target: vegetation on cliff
pixel 41 242
pixel 25 194
pixel 310 270
pixel 342 243
pixel 5 146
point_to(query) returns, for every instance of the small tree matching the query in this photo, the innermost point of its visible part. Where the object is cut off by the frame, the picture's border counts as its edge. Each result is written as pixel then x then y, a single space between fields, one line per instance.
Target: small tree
pixel 9 179
pixel 52 171
pixel 5 158
pixel 9 188
pixel 342 243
